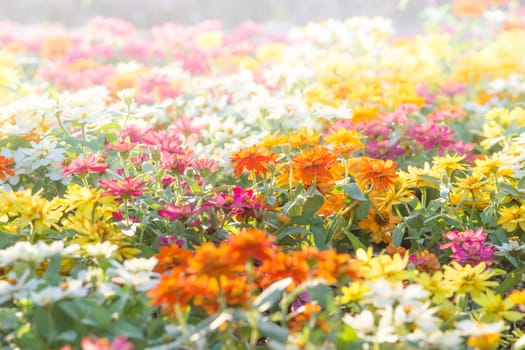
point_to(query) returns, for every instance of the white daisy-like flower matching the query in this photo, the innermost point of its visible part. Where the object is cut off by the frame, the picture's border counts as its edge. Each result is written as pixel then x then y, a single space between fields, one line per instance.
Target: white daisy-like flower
pixel 474 328
pixel 106 249
pixel 510 246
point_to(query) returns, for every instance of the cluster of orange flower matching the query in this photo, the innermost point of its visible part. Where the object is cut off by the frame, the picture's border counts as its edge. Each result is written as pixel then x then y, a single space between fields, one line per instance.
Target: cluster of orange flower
pixel 232 273
pixel 315 164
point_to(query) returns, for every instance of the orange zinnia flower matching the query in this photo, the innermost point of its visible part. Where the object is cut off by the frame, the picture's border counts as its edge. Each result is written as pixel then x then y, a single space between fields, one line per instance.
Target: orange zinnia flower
pixel 252 158
pixel 381 225
pixel 317 164
pixel 378 173
pixel 171 256
pixel 213 261
pixel 251 244
pixel 284 265
pixel 4 162
pixel 303 315
pixel 332 204
pixel 235 292
pixel 178 288
pixel 332 266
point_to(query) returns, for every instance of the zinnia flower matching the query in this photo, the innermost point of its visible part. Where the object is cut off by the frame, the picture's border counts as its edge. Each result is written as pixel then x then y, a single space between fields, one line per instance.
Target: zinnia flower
pixel 91 164
pixel 252 159
pixel 127 188
pixel 380 174
pixel 315 164
pixel 4 162
pixel 469 247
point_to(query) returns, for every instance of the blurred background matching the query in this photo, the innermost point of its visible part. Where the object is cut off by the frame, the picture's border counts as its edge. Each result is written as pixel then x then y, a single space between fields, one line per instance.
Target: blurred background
pixel 279 13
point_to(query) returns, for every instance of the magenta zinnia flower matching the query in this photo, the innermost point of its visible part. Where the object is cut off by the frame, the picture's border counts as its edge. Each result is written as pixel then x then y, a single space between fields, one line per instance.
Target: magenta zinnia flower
pixel 127 188
pixel 469 247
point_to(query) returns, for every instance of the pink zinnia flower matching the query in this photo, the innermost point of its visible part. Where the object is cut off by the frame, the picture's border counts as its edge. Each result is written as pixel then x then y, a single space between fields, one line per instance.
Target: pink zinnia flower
pixel 469 247
pixel 121 147
pixel 176 162
pixel 205 167
pixel 242 203
pixel 432 135
pixel 94 343
pixel 452 89
pixel 127 188
pixel 91 164
pixel 179 212
pixel 173 239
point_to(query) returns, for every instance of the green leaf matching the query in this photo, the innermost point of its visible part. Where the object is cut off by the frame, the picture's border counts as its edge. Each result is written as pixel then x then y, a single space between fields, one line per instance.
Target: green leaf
pixel 70 308
pixel 323 295
pixel 399 233
pixel 509 189
pixel 512 279
pixel 127 329
pixel 52 274
pixel 45 323
pixel 362 210
pixel 318 235
pixel 69 337
pixel 8 319
pixel 345 338
pixel 8 239
pixel 356 243
pixel 272 294
pixel 354 192
pixel 291 230
pixel 29 339
pixel 332 228
pixel 148 167
pixel 272 330
pixel 96 315
pixel 312 205
pixel 433 180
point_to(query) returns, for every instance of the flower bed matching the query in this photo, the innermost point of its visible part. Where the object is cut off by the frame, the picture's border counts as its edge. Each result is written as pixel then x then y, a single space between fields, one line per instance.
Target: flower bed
pixel 334 187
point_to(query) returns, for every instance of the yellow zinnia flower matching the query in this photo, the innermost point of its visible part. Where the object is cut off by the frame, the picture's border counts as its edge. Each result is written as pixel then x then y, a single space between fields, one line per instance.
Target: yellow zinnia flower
pixel 439 288
pixel 30 210
pixel 386 266
pixel 494 308
pixel 511 217
pixel 352 293
pixel 449 163
pixel 468 279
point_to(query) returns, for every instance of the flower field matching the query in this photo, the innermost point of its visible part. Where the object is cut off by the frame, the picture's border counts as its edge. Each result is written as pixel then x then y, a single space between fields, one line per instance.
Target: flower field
pixel 336 186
